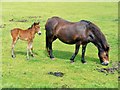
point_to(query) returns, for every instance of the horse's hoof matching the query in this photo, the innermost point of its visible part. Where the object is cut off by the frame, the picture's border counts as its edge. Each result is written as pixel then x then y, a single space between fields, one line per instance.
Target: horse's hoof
pixel 72 62
pixel 85 63
pixel 52 58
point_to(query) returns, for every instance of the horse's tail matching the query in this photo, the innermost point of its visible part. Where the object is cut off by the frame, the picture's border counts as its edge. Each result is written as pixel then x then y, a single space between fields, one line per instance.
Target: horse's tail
pixel 49 27
pixel 47 42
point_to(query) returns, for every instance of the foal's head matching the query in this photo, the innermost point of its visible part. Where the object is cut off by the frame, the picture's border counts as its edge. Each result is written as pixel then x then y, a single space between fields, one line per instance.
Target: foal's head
pixel 37 28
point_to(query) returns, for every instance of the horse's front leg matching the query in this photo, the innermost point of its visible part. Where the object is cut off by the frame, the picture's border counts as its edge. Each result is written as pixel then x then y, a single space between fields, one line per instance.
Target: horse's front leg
pixel 83 53
pixel 77 46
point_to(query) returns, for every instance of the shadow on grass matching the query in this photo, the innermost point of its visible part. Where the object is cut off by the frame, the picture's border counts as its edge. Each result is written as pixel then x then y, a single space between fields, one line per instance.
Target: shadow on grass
pixel 67 55
pixel 24 53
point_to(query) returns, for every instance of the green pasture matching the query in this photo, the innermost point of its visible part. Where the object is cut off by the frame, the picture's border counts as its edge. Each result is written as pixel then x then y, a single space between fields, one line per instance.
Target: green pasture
pixel 33 73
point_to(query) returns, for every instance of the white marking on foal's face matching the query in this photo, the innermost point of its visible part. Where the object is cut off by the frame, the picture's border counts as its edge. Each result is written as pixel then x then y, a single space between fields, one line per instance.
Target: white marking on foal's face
pixel 39 32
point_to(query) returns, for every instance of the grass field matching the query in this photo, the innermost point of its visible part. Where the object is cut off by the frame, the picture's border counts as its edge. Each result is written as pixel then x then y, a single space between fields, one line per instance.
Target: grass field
pixel 22 73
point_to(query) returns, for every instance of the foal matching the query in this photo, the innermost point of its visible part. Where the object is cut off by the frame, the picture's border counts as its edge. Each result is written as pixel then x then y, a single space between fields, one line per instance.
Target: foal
pixel 26 35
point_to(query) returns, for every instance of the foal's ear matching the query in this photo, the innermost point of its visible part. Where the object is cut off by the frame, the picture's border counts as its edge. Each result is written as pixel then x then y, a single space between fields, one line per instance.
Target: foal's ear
pixel 38 23
pixel 34 23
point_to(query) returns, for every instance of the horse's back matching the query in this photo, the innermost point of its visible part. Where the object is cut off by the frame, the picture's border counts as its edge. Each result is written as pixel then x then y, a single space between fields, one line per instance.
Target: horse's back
pixel 56 22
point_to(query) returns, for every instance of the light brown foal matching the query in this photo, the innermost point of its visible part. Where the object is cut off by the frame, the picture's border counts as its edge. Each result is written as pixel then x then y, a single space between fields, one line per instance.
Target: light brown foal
pixel 26 35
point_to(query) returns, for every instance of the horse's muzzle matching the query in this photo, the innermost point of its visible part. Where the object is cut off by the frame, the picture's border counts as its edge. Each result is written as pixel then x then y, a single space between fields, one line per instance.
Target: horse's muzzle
pixel 105 63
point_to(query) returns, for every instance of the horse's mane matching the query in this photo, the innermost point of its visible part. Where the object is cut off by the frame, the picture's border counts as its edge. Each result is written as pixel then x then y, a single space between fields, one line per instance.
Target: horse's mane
pixel 98 34
pixel 62 20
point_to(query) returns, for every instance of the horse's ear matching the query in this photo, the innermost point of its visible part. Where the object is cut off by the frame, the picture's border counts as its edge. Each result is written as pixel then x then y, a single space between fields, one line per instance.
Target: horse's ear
pixel 107 48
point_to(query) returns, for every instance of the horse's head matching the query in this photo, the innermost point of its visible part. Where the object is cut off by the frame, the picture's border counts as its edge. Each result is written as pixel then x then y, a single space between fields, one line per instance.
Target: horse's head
pixel 37 28
pixel 98 38
pixel 104 56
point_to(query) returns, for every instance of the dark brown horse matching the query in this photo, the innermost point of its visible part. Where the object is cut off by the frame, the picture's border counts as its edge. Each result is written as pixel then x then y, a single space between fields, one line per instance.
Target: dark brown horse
pixel 26 35
pixel 78 33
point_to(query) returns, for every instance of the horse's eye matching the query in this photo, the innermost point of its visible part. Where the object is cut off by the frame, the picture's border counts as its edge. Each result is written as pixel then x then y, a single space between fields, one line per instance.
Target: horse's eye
pixel 106 54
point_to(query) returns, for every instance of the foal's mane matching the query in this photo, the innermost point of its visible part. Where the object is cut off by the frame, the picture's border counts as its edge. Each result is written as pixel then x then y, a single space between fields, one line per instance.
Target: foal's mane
pixel 31 26
pixel 98 34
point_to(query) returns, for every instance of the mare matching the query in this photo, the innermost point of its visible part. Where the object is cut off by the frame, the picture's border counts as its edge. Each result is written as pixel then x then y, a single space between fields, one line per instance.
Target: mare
pixel 78 33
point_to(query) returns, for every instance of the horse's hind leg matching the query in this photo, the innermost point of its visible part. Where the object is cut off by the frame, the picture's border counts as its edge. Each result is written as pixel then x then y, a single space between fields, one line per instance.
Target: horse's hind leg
pixel 47 43
pixel 50 46
pixel 77 46
pixel 49 40
pixel 13 45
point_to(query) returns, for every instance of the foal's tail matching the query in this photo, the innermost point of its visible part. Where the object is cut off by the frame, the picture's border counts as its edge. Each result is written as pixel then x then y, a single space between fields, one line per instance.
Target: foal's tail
pixel 47 28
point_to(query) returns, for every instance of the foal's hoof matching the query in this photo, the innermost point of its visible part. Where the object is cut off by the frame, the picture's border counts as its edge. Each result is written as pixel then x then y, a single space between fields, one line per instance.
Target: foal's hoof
pixel 32 55
pixel 13 56
pixel 27 58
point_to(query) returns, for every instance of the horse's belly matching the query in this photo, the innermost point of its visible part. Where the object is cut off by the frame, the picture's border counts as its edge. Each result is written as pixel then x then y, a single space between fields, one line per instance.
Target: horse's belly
pixel 67 40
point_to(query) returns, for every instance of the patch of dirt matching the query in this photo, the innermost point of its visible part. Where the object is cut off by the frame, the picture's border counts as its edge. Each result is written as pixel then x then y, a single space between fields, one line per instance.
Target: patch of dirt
pixel 110 70
pixel 11 20
pixel 2 26
pixel 34 17
pixel 22 20
pixel 118 78
pixel 65 86
pixel 117 19
pixel 57 74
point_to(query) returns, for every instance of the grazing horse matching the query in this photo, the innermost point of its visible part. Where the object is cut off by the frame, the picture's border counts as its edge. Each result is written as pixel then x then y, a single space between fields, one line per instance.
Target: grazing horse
pixel 78 33
pixel 26 35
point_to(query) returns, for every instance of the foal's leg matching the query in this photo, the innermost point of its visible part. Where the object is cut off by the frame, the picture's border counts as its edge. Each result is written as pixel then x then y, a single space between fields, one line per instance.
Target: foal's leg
pixel 31 49
pixel 77 46
pixel 83 53
pixel 28 50
pixel 13 45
